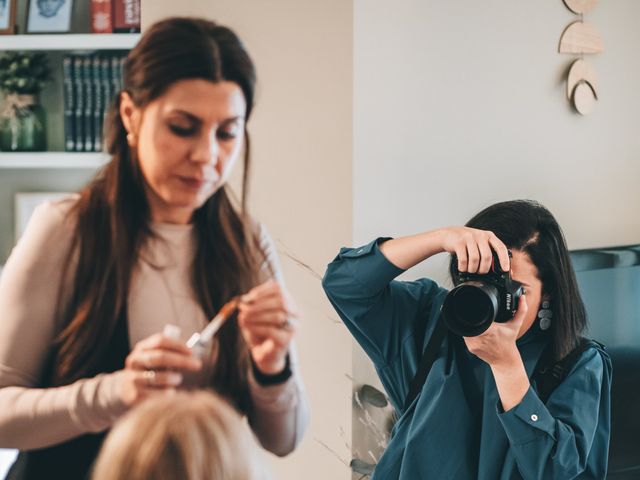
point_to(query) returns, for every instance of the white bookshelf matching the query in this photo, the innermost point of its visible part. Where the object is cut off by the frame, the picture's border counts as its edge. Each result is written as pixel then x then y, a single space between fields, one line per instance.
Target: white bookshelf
pixel 39 160
pixel 54 170
pixel 70 42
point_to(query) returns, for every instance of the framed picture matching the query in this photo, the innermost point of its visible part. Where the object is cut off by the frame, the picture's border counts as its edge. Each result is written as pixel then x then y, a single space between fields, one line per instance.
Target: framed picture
pixel 49 16
pixel 7 16
pixel 26 203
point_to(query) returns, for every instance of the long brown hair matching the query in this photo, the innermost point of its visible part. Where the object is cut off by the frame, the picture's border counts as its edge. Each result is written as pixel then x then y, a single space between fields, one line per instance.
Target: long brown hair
pixel 113 215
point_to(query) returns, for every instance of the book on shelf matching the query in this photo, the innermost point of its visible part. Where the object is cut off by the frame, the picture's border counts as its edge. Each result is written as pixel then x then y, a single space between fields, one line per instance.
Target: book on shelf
pixel 115 74
pixel 126 16
pixel 98 97
pixel 69 103
pixel 101 16
pixel 119 16
pixel 89 103
pixel 90 83
pixel 107 87
pixel 79 96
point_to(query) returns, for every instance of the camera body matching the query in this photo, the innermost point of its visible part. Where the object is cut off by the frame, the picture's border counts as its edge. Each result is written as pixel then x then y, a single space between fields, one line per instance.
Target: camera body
pixel 478 300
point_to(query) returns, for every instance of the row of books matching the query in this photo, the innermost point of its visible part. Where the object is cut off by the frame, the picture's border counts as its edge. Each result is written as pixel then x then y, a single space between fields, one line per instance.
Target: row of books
pixel 90 83
pixel 109 16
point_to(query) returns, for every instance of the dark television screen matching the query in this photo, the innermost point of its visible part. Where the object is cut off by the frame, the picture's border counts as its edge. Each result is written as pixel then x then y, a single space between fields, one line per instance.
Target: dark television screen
pixel 612 298
pixel 609 281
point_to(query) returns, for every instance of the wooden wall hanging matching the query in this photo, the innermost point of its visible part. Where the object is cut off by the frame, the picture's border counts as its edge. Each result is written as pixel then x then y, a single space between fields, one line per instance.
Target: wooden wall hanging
pixel 581 38
pixel 580 6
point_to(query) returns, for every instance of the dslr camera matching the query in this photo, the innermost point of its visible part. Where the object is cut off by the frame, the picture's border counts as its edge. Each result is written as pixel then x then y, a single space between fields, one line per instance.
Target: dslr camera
pixel 480 299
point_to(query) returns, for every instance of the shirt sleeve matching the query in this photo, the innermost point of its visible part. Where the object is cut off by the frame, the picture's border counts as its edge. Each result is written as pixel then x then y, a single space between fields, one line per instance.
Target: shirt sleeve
pixel 381 313
pixel 557 439
pixel 32 417
pixel 280 412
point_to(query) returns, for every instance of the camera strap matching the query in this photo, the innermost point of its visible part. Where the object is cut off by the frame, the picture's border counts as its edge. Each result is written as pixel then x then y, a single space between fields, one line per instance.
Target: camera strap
pixel 547 376
pixel 549 373
pixel 426 360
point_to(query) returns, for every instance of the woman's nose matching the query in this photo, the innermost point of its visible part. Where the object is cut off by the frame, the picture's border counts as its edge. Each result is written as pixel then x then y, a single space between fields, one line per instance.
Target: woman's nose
pixel 207 149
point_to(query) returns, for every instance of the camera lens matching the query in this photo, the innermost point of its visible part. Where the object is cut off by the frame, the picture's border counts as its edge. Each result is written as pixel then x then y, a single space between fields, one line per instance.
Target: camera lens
pixel 470 308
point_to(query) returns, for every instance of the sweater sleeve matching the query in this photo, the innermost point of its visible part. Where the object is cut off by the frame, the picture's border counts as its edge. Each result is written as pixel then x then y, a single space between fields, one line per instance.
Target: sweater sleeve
pixel 32 417
pixel 280 412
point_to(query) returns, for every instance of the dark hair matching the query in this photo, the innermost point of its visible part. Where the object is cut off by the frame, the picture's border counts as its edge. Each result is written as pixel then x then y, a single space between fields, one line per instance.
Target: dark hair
pixel 527 226
pixel 114 216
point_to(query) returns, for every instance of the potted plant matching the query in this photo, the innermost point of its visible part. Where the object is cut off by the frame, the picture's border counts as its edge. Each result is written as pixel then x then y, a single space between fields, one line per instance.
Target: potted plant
pixel 22 118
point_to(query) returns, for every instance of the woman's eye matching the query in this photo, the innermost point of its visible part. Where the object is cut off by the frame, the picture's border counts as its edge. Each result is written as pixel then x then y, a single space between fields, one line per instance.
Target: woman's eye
pixel 227 134
pixel 182 131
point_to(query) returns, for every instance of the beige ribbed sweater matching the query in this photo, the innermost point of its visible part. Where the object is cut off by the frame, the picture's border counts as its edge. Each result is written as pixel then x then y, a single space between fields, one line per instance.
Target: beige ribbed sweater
pixel 33 418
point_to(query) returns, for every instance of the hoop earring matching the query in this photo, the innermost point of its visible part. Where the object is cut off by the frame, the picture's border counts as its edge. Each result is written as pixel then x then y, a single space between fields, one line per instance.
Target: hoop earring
pixel 545 315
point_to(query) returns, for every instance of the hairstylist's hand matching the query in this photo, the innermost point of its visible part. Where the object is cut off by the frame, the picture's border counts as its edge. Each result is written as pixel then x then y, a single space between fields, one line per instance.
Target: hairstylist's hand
pixel 473 248
pixel 497 345
pixel 154 366
pixel 265 318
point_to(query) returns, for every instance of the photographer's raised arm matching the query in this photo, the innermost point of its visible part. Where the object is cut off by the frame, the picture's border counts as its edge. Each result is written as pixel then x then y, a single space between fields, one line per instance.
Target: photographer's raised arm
pixel 472 247
pixel 381 312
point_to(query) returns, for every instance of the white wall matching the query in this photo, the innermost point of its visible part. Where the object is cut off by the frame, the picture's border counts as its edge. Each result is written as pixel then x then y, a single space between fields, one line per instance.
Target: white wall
pixel 460 104
pixel 301 189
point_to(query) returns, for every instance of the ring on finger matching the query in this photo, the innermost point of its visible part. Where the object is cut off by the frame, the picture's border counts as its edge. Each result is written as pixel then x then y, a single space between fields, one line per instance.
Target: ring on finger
pixel 286 323
pixel 149 377
pixel 147 361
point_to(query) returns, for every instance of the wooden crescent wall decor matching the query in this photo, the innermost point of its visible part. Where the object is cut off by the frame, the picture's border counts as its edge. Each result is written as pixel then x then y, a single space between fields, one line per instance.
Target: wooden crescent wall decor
pixel 581 71
pixel 581 37
pixel 580 6
pixel 583 98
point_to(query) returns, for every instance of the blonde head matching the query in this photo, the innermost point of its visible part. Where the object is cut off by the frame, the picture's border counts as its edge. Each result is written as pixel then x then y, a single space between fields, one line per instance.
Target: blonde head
pixel 189 435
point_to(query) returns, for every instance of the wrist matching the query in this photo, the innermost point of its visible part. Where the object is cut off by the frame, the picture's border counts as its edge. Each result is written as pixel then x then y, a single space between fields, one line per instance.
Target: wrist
pixel 405 252
pixel 270 367
pixel 512 382
pixel 434 241
pixel 509 361
pixel 265 378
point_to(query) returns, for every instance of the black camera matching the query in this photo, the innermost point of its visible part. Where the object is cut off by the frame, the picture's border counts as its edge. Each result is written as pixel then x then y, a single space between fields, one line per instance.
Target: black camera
pixel 480 299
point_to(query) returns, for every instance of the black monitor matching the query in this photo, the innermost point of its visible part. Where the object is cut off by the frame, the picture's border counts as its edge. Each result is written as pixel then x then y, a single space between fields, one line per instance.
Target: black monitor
pixel 609 281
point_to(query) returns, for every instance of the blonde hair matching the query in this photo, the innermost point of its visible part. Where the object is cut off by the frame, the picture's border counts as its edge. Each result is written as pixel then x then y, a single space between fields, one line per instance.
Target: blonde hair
pixel 189 435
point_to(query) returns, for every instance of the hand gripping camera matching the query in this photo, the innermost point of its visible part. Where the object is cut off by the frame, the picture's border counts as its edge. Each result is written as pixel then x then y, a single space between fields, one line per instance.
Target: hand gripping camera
pixel 480 299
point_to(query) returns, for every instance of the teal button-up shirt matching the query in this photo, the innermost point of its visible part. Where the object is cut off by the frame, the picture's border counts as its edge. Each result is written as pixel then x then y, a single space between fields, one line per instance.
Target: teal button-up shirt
pixel 456 428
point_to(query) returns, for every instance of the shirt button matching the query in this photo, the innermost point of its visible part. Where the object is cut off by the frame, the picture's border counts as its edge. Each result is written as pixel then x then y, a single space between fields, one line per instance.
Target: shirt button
pixel 534 418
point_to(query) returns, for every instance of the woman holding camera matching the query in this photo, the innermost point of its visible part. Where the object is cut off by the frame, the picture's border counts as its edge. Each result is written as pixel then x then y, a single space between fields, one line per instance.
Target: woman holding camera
pixel 479 414
pixel 155 239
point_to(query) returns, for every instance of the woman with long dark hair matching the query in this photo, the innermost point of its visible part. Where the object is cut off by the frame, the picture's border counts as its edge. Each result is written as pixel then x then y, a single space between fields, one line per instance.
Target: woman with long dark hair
pixel 486 410
pixel 154 240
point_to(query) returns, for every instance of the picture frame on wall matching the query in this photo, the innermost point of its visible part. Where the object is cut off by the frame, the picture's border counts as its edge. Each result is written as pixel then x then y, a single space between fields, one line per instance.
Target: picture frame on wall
pixel 49 16
pixel 7 17
pixel 26 203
